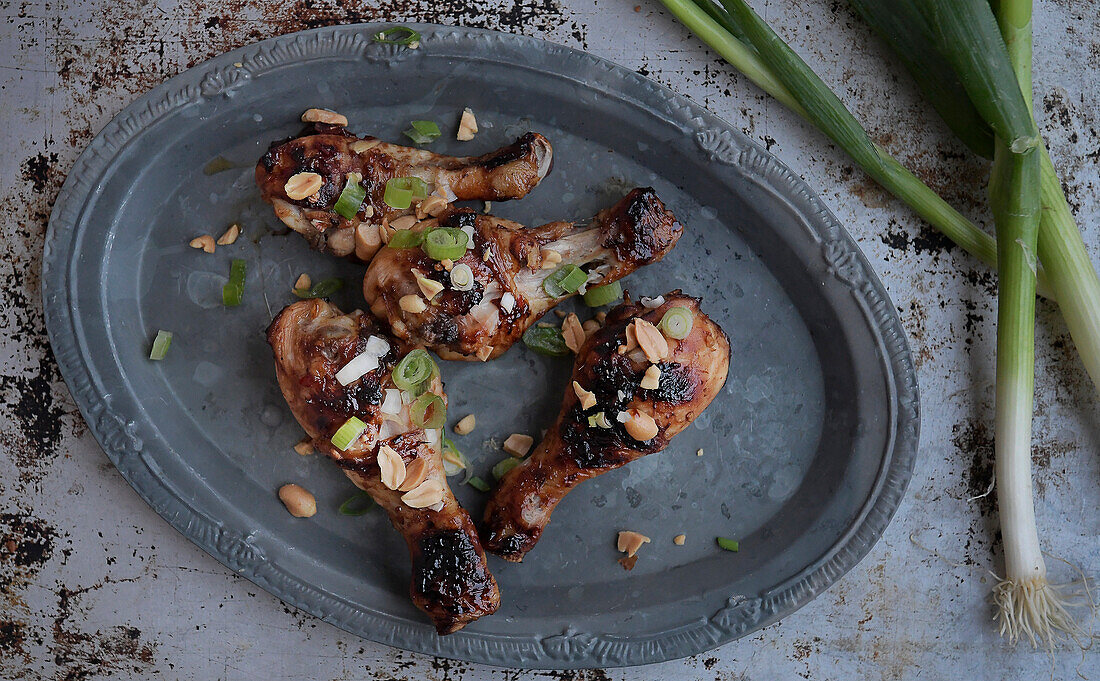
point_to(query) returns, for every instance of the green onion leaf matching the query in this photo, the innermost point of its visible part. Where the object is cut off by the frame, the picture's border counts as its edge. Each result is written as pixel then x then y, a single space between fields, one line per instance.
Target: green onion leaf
pixel 564 280
pixel 428 411
pixel 161 344
pixel 478 484
pixel 351 198
pixel 546 341
pixel 357 504
pixel 602 295
pixel 505 465
pixel 422 132
pixel 406 238
pixel 415 371
pixel 445 243
pixel 398 35
pixel 677 322
pixel 728 544
pixel 348 433
pixel 234 288
pixel 322 289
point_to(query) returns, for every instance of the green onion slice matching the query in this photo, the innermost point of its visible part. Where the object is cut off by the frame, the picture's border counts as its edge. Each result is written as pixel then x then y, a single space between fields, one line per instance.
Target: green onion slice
pixel 351 198
pixel 504 466
pixel 322 289
pixel 161 344
pixel 396 197
pixel 348 433
pixel 546 341
pixel 234 288
pixel 428 411
pixel 728 544
pixel 478 484
pixel 453 460
pixel 398 35
pixel 445 243
pixel 462 277
pixel 677 322
pixel 422 132
pixel 414 371
pixel 406 238
pixel 357 504
pixel 602 295
pixel 564 280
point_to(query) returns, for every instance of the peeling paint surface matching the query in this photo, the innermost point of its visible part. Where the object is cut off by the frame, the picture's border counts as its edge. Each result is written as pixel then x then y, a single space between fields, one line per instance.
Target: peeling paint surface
pixel 94 585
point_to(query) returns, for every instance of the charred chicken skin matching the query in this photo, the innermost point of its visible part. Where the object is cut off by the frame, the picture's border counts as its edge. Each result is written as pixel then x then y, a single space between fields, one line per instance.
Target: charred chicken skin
pixel 505 267
pixel 632 390
pixel 396 462
pixel 323 157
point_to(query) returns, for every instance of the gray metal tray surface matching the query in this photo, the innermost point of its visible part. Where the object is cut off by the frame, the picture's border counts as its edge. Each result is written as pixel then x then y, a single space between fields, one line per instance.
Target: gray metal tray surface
pixel 806 453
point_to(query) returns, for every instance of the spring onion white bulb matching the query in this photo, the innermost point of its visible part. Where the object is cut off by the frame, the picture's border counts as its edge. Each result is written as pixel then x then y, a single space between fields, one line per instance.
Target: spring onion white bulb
pixel 507 302
pixel 391 403
pixel 357 368
pixel 462 277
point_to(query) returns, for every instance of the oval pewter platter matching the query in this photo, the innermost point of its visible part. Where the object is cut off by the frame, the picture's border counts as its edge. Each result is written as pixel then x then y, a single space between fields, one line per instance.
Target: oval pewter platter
pixel 807 451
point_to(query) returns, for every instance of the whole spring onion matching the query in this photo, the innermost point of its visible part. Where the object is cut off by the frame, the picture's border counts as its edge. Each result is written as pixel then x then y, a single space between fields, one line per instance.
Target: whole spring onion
pixel 322 289
pixel 478 484
pixel 233 290
pixel 547 341
pixel 445 243
pixel 462 277
pixel 603 295
pixel 357 504
pixel 351 198
pixel 422 132
pixel 400 191
pixel 505 465
pixel 160 345
pixel 406 238
pixel 677 322
pixel 415 371
pixel 564 281
pixel 348 433
pixel 398 35
pixel 428 411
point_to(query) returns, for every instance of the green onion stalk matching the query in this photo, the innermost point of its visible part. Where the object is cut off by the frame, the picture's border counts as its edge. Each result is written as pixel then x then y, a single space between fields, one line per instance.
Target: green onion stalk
pixel 775 68
pixel 1027 604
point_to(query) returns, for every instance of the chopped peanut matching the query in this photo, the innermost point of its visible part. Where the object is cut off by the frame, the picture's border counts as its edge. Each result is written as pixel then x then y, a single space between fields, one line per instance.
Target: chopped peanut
pixel 205 242
pixel 550 258
pixel 403 222
pixel 485 353
pixel 700 452
pixel 412 303
pixel 361 146
pixel 466 425
pixel 415 473
pixel 298 501
pixel 629 542
pixel 392 467
pixel 652 378
pixel 230 235
pixel 323 116
pixel 433 206
pixel 590 327
pixel 303 282
pixel 587 398
pixel 573 333
pixel 640 425
pixel 303 185
pixel 429 287
pixel 651 340
pixel 679 539
pixel 467 126
pixel 425 495
pixel 601 316
pixel 518 444
pixel 305 447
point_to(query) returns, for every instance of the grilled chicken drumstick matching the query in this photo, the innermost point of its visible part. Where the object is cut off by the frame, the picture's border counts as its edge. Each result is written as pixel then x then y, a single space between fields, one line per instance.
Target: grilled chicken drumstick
pixel 334 367
pixel 475 303
pixel 620 405
pixel 303 178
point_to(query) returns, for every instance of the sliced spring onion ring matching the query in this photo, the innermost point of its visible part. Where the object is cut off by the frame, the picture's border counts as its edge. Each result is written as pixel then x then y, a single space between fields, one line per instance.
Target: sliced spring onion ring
pixel 445 243
pixel 357 504
pixel 453 460
pixel 677 322
pixel 377 346
pixel 418 187
pixel 322 289
pixel 360 365
pixel 462 277
pixel 505 465
pixel 602 295
pixel 422 132
pixel 546 341
pixel 415 371
pixel 161 344
pixel 406 238
pixel 598 420
pixel 398 35
pixel 728 544
pixel 234 288
pixel 351 198
pixel 348 433
pixel 478 484
pixel 396 197
pixel 428 411
pixel 564 280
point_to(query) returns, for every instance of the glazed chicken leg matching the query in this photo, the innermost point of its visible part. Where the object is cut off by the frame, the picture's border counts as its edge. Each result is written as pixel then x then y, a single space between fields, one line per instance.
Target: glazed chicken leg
pixel 509 264
pixel 331 154
pixel 618 408
pixel 396 462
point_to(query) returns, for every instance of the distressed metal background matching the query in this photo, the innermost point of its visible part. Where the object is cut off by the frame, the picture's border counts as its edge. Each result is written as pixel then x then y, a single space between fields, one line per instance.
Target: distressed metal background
pixel 94 585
